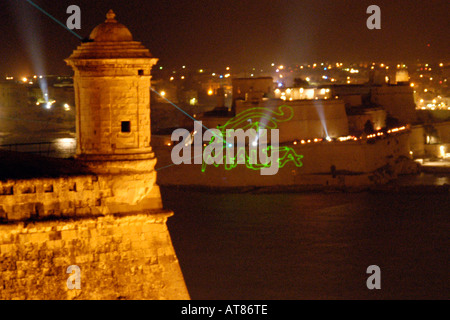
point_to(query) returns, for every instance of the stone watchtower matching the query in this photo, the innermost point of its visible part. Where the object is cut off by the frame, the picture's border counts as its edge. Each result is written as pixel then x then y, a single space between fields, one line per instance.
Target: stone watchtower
pixel 112 94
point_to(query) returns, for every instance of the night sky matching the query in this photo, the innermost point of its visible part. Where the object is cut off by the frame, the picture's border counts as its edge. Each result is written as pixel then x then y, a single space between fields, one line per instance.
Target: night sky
pixel 240 33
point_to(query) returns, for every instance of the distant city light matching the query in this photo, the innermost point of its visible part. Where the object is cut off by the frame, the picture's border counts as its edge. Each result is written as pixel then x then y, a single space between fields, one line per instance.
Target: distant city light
pixel 163 93
pixel 442 151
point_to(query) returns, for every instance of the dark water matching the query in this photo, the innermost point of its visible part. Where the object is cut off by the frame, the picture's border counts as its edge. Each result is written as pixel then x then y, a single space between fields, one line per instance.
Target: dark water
pixel 311 246
pixel 57 144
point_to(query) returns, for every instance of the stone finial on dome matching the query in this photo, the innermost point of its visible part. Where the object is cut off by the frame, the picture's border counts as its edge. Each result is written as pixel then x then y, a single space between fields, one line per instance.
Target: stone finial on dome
pixel 111 16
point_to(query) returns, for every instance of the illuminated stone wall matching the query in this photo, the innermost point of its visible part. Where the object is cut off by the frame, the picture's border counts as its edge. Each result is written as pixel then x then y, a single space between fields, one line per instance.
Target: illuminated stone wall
pixel 357 163
pixel 443 130
pixel 417 141
pixel 312 118
pixel 397 100
pixel 78 196
pixel 357 122
pixel 121 257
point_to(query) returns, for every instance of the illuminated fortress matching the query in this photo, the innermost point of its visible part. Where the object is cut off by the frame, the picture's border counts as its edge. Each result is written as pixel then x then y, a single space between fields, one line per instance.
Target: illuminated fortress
pixel 103 211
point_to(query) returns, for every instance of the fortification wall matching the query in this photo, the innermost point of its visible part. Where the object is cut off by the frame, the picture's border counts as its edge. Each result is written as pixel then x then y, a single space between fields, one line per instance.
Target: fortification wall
pixel 397 100
pixel 443 130
pixel 417 141
pixel 120 257
pixel 78 196
pixel 357 163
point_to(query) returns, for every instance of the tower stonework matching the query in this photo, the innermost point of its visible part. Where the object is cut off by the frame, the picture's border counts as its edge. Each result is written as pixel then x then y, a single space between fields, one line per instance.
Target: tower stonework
pixel 112 94
pixel 101 212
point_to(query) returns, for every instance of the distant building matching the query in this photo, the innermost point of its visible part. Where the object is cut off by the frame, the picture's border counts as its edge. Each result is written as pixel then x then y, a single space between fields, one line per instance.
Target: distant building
pixel 263 86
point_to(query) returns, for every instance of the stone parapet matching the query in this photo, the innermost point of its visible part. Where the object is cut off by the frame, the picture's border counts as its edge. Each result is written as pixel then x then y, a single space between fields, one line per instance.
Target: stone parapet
pixel 77 196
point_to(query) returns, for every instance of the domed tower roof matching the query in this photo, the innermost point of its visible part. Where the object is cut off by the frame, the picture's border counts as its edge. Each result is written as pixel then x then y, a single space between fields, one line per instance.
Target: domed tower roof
pixel 110 30
pixel 110 40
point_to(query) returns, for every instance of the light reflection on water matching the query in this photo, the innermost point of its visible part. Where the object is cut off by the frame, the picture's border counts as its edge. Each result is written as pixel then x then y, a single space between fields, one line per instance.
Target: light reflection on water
pixel 437 179
pixel 65 147
pixel 52 146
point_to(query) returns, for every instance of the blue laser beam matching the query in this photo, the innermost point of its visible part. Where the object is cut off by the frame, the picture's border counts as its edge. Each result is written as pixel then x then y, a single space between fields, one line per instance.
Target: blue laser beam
pixel 177 107
pixel 54 19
